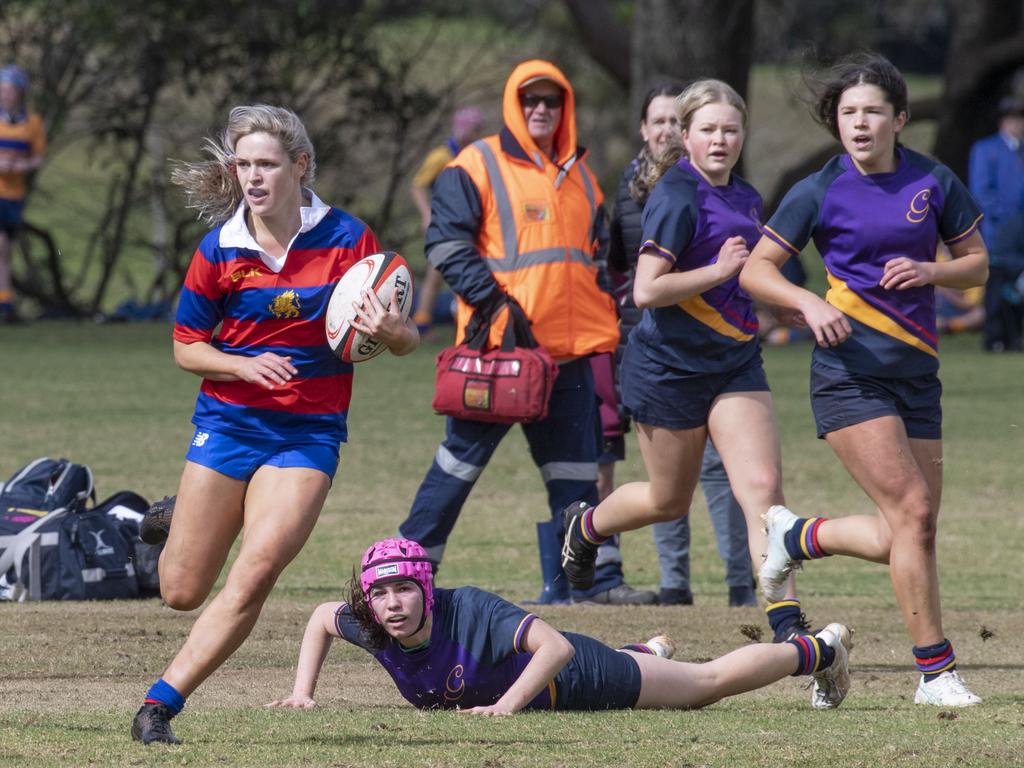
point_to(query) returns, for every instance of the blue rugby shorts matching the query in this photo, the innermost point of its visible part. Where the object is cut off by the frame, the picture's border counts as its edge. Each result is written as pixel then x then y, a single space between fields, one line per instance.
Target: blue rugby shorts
pixel 841 398
pixel 240 457
pixel 671 398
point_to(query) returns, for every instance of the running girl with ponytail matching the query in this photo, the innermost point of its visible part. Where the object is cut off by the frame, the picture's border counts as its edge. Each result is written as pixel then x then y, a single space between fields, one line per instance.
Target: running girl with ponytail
pixel 271 411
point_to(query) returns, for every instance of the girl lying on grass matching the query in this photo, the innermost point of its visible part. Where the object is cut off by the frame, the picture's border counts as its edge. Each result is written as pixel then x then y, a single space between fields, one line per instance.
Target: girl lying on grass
pixel 471 650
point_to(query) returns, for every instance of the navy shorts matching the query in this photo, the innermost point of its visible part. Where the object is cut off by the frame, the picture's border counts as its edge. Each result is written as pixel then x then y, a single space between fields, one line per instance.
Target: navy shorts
pixel 10 216
pixel 841 398
pixel 241 457
pixel 671 398
pixel 597 677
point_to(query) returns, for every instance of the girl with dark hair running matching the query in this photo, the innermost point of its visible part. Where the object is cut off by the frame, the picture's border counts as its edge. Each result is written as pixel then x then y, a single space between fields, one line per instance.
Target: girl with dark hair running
pixel 876 215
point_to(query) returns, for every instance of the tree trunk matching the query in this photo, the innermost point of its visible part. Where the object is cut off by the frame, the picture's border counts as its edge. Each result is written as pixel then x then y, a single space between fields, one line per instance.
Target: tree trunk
pixel 606 40
pixel 690 39
pixel 112 251
pixel 987 46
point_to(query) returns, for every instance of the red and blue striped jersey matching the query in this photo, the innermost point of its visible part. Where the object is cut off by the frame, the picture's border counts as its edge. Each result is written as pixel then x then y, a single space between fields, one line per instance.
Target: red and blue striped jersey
pixel 265 305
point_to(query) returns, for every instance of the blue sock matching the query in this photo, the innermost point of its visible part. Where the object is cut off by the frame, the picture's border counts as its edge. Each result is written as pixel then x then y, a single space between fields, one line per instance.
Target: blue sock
pixel 783 614
pixel 933 660
pixel 162 692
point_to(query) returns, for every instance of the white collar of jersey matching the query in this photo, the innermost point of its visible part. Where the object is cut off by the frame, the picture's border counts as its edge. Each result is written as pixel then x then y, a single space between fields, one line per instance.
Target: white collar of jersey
pixel 235 233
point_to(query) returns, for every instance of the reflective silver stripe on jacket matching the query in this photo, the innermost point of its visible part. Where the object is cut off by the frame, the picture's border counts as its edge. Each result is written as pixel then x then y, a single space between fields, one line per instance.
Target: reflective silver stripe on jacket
pixel 514 260
pixel 509 239
pixel 540 256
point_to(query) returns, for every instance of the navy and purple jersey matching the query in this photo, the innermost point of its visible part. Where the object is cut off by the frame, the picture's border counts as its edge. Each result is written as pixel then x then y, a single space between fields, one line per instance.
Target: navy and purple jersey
pixel 686 221
pixel 475 654
pixel 263 304
pixel 858 223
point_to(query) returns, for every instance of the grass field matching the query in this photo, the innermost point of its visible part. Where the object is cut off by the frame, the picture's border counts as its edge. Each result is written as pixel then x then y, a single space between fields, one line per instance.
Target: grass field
pixel 73 673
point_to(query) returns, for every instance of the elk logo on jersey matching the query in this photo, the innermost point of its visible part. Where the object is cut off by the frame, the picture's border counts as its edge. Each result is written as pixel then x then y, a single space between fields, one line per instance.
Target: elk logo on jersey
pixel 241 274
pixel 285 305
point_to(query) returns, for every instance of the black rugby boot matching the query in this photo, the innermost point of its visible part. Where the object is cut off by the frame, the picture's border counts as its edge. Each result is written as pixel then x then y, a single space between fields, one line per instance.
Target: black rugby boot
pixel 156 523
pixel 153 723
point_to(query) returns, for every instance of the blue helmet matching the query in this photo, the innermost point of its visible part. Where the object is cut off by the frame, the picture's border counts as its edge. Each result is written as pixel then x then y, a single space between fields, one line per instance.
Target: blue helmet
pixel 14 75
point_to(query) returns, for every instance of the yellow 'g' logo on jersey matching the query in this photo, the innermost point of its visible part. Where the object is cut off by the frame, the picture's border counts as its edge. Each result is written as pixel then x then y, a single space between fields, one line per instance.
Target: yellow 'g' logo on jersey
pixel 455 686
pixel 285 305
pixel 919 207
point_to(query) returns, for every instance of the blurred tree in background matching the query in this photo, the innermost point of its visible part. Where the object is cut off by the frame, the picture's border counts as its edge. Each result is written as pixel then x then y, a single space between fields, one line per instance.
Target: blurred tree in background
pixel 126 85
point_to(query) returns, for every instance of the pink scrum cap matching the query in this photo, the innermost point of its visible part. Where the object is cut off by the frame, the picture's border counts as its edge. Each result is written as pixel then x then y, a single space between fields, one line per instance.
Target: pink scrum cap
pixel 397 560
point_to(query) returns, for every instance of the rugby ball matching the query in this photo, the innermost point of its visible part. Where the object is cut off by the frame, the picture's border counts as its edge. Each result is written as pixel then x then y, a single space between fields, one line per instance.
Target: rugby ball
pixel 384 273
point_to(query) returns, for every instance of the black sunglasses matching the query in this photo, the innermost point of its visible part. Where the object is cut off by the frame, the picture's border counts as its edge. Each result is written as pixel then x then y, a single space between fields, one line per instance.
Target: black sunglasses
pixel 531 100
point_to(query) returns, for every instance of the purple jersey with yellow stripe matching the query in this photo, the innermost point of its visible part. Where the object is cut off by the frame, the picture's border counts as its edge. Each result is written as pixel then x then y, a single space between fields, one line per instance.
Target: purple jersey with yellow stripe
pixel 264 304
pixel 473 657
pixel 858 223
pixel 686 221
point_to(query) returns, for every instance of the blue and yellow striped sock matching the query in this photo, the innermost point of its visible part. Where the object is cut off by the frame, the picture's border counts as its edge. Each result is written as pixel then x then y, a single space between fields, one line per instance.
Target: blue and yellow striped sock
pixel 802 539
pixel 814 654
pixel 162 692
pixel 784 618
pixel 933 660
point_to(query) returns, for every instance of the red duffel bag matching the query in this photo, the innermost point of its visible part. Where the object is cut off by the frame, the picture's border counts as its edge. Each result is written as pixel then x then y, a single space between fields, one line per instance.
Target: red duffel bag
pixel 510 385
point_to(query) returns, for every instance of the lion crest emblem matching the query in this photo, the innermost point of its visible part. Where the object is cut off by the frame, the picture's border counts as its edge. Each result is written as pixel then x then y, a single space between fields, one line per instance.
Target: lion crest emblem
pixel 285 305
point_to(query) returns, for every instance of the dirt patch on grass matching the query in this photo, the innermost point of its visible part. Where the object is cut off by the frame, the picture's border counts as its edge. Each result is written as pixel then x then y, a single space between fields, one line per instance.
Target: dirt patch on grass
pixel 80 656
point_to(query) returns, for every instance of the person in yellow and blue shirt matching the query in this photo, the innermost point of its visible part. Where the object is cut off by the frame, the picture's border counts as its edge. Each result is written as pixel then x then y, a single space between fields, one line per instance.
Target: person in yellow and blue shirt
pixel 22 151
pixel 466 125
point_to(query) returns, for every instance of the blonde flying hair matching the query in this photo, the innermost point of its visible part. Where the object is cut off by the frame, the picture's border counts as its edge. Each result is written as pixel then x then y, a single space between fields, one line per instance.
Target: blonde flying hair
pixel 697 94
pixel 211 186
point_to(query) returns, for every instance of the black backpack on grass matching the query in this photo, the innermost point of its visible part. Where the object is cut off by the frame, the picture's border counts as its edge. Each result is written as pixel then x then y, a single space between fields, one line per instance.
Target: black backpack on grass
pixel 53 546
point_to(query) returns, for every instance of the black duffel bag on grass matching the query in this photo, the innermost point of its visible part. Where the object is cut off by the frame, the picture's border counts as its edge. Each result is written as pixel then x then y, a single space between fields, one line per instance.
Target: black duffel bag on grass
pixel 54 546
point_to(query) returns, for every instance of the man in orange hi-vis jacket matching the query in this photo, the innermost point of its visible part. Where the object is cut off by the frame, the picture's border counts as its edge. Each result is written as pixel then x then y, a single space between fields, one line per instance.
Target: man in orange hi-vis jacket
pixel 518 214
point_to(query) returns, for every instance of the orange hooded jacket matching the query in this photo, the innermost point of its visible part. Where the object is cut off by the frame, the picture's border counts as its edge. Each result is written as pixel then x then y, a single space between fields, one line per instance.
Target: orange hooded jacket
pixel 534 228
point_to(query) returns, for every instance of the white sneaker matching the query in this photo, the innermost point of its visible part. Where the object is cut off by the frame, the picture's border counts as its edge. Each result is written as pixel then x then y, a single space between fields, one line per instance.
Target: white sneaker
pixel 777 563
pixel 832 684
pixel 662 645
pixel 946 690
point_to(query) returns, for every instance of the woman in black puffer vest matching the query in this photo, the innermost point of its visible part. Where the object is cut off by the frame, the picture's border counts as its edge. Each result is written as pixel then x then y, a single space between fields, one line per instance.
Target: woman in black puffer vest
pixel 658 122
